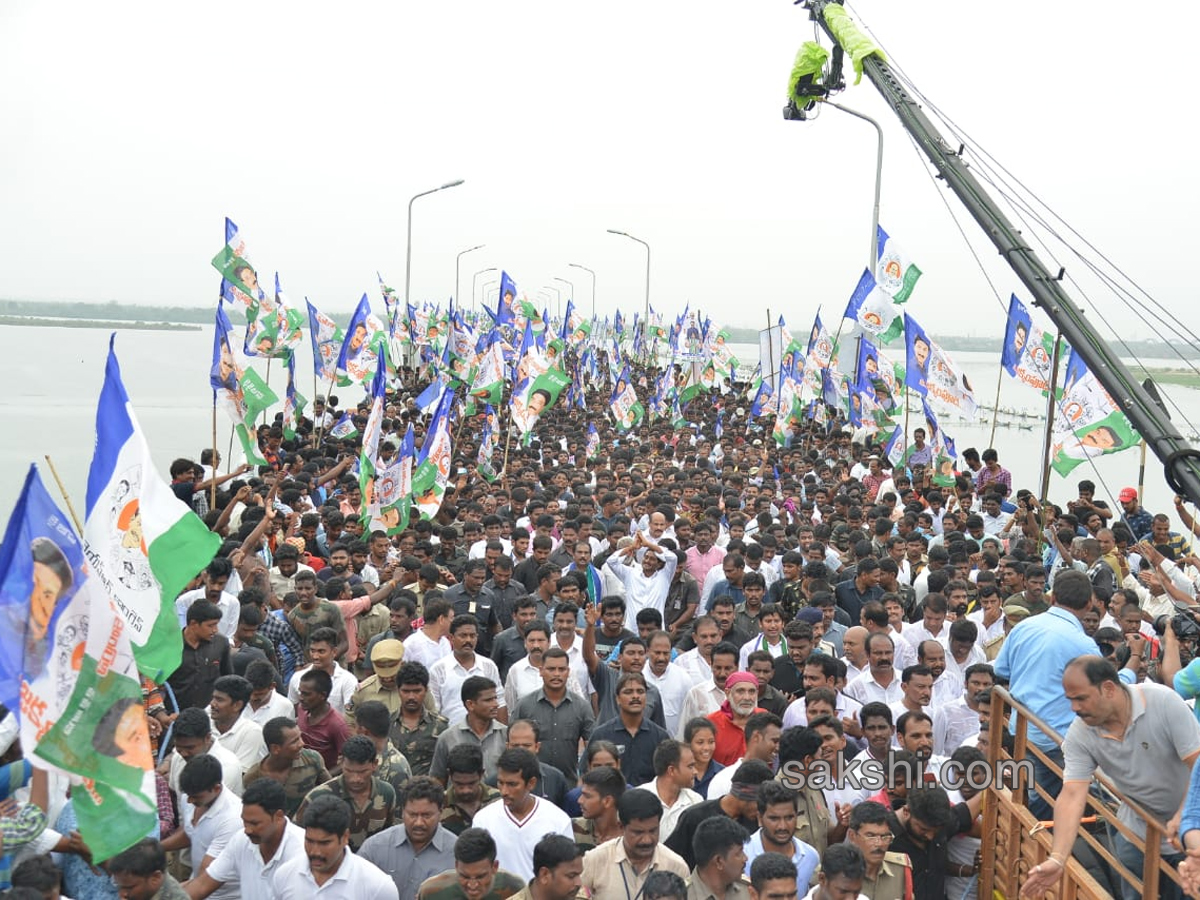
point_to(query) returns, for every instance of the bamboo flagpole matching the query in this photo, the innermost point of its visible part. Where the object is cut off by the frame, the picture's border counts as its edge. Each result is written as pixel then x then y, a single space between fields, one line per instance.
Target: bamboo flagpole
pixel 996 406
pixel 66 498
pixel 1048 438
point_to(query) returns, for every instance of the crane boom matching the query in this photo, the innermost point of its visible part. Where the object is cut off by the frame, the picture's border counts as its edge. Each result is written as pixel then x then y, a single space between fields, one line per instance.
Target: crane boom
pixel 1181 461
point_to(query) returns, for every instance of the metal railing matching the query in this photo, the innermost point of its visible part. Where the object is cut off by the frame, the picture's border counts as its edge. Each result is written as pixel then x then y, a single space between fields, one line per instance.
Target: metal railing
pixel 1021 842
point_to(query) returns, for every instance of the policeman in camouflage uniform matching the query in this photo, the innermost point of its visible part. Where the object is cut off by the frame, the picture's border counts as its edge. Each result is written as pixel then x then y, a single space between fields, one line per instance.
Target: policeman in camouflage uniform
pixel 415 728
pixel 466 791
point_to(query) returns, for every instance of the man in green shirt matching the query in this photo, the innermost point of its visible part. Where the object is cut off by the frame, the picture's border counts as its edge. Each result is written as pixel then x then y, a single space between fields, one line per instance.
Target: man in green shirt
pixel 476 874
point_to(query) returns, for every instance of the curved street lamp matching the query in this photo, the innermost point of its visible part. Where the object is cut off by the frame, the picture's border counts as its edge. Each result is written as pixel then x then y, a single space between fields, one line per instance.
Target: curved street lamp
pixel 475 282
pixel 570 296
pixel 457 260
pixel 408 248
pixel 646 314
pixel 593 274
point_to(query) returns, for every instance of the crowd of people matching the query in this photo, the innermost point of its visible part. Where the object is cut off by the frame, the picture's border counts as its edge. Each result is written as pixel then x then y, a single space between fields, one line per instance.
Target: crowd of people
pixel 621 673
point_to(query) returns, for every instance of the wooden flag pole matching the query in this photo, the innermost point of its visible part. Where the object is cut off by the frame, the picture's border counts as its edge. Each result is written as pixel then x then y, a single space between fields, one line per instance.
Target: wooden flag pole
pixel 996 406
pixel 268 383
pixel 66 498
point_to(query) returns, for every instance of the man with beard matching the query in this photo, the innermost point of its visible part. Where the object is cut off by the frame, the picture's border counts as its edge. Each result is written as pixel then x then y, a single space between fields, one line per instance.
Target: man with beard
pixel 622 864
pixel 339 566
pixel 419 847
pixel 326 846
pixel 777 832
pixel 741 693
pixel 250 859
pixel 922 829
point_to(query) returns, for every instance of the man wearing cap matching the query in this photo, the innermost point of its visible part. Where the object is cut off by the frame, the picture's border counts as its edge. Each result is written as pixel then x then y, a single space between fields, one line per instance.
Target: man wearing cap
pixel 1013 613
pixel 1140 522
pixel 741 693
pixel 386 657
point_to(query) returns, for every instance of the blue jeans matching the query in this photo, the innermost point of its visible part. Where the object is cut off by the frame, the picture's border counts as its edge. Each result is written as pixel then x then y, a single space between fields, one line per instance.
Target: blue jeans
pixel 1133 859
pixel 1050 782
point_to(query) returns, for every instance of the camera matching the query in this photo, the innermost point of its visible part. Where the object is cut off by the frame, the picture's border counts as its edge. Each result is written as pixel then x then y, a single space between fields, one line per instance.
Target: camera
pixel 1184 625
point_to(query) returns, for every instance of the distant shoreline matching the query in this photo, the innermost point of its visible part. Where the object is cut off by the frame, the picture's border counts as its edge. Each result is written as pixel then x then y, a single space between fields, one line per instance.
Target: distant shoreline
pixel 26 321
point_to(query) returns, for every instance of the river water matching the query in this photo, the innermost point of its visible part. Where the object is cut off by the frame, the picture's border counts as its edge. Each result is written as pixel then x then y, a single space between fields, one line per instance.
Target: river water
pixel 50 409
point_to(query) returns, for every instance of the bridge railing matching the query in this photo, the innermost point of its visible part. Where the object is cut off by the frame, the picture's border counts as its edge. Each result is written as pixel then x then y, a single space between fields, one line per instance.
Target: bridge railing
pixel 1021 842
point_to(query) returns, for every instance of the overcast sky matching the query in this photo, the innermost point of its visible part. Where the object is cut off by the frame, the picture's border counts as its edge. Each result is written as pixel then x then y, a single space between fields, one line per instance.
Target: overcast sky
pixel 132 130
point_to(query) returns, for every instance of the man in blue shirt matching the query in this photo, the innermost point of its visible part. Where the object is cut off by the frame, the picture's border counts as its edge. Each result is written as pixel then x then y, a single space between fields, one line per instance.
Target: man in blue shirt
pixel 1032 661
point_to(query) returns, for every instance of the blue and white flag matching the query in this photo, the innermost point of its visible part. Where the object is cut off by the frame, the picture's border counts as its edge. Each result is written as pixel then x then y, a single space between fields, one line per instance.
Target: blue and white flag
pixel 357 360
pixel 932 373
pixel 344 428
pixel 874 311
pixel 1028 350
pixel 507 301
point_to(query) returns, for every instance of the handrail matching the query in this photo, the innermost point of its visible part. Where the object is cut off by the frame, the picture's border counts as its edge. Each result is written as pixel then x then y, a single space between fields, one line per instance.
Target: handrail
pixel 1153 867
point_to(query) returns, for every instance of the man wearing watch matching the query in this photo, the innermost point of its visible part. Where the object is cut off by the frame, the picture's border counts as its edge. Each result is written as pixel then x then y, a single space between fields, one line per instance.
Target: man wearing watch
pixel 1145 739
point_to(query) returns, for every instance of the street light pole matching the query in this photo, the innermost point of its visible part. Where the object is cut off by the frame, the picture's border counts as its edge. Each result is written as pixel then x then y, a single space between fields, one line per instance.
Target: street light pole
pixel 408 248
pixel 874 255
pixel 570 296
pixel 558 297
pixel 646 314
pixel 593 274
pixel 475 282
pixel 487 287
pixel 457 260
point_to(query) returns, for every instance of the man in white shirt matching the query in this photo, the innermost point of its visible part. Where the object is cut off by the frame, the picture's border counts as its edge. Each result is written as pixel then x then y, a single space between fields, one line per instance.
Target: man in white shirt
pixel 321 649
pixel 429 643
pixel 854 643
pixel 762 743
pixel 647 585
pixel 446 676
pixel 210 815
pixel 520 819
pixel 236 732
pixel 880 681
pixel 946 684
pixel 672 682
pixel 707 697
pixel 525 675
pixel 957 723
pixel 266 703
pixel 193 733
pixel 213 580
pixel 251 858
pixel 933 626
pixel 327 866
pixel 697 661
pixel 675 774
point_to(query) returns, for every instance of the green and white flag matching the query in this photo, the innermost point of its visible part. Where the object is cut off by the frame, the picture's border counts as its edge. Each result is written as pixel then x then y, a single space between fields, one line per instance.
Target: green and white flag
pixel 894 272
pixel 143 543
pixel 1087 423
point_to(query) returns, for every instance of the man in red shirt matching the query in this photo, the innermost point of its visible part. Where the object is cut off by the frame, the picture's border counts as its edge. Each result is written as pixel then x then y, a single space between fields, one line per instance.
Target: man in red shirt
pixel 741 692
